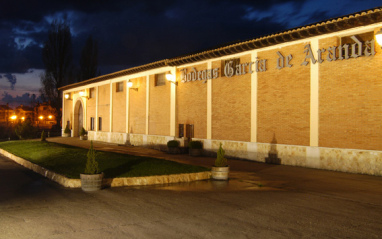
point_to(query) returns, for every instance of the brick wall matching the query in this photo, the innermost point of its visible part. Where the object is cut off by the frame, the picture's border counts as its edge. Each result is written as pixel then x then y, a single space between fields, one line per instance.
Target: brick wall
pixel 137 107
pixel 91 110
pixel 231 105
pixel 191 105
pixel 284 99
pixel 350 103
pixel 119 109
pixel 104 106
pixel 159 109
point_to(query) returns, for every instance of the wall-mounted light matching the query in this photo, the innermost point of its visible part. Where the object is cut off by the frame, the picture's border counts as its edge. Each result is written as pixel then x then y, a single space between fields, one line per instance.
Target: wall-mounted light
pixel 170 77
pixel 378 36
pixel 130 85
pixel 67 96
pixel 50 117
pixel 13 117
pixel 23 118
pixel 82 93
pixel 41 117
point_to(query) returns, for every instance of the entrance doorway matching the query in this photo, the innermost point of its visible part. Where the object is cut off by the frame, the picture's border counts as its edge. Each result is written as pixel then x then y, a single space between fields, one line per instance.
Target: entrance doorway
pixel 78 118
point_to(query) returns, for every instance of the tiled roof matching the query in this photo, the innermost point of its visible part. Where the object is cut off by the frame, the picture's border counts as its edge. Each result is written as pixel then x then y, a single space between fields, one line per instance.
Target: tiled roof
pixel 363 18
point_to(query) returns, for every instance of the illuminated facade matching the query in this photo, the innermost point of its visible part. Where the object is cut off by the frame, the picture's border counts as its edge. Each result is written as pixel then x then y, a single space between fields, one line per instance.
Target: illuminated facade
pixel 309 96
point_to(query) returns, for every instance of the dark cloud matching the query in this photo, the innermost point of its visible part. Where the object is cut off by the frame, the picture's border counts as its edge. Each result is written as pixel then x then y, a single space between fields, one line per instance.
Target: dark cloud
pixel 11 79
pixel 25 99
pixel 131 33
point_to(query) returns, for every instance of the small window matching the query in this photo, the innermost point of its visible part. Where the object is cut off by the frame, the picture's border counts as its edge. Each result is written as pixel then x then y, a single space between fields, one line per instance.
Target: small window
pixel 160 79
pixel 189 131
pixel 99 123
pixel 181 130
pixel 119 87
pixel 91 93
pixel 91 123
pixel 235 62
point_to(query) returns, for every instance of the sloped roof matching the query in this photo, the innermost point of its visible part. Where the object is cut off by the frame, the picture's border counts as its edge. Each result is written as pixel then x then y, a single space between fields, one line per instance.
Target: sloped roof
pixel 357 19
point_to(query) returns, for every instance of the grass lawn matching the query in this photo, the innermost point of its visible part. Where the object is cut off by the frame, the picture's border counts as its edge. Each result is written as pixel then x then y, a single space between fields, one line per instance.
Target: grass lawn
pixel 70 161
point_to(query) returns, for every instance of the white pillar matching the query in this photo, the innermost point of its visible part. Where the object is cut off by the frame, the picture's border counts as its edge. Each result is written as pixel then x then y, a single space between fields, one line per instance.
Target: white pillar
pixel 96 116
pixel 314 97
pixel 127 104
pixel 147 103
pixel 111 108
pixel 173 105
pixel 209 104
pixel 254 101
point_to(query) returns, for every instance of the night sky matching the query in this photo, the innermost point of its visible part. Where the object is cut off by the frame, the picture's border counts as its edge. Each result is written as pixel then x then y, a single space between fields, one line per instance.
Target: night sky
pixel 131 33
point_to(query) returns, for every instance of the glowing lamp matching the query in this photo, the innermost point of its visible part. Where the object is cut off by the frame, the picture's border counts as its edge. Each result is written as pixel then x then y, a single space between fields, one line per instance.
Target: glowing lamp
pixel 67 96
pixel 378 36
pixel 13 117
pixel 130 85
pixel 50 117
pixel 23 118
pixel 170 77
pixel 41 117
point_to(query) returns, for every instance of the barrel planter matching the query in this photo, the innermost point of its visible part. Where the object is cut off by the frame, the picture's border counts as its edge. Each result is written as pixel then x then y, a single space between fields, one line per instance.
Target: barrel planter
pixel 220 173
pixel 91 182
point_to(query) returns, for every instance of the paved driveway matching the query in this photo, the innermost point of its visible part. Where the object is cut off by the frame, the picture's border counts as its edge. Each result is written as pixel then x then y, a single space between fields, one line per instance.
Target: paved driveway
pixel 292 203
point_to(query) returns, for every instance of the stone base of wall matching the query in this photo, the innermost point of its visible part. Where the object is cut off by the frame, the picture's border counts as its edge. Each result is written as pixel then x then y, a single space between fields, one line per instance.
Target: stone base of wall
pixel 344 160
pixel 110 137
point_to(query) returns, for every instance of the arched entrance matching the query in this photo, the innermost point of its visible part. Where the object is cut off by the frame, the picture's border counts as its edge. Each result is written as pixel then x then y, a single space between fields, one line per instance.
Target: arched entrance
pixel 78 118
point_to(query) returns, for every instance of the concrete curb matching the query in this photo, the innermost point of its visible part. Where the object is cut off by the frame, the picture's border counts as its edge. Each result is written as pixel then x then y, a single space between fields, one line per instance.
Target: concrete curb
pixel 111 182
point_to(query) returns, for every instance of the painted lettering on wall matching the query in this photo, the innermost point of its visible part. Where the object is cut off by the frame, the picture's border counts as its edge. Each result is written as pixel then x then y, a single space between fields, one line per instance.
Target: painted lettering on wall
pixel 333 53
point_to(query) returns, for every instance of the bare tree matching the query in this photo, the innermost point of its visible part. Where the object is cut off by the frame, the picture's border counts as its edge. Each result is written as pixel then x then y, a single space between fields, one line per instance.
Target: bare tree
pixel 57 58
pixel 89 60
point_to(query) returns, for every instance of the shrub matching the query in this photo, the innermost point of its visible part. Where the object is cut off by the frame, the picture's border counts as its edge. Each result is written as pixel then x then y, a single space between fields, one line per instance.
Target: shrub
pixel 173 143
pixel 43 137
pixel 26 130
pixel 220 160
pixel 195 144
pixel 91 163
pixel 83 132
pixel 67 130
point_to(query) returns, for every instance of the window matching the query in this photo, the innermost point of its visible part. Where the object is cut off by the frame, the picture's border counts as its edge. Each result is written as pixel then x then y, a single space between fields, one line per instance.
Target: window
pixel 92 123
pixel 235 62
pixel 91 93
pixel 119 86
pixel 160 79
pixel 99 123
pixel 181 130
pixel 189 131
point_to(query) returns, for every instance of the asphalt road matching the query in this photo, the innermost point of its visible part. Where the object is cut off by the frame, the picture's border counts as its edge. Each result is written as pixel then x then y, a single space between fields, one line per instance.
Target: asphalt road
pixel 260 201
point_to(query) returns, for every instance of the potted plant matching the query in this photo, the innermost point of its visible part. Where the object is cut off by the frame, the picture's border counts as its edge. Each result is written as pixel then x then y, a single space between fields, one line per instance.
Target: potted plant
pixel 173 146
pixel 220 170
pixel 67 131
pixel 83 134
pixel 91 179
pixel 195 148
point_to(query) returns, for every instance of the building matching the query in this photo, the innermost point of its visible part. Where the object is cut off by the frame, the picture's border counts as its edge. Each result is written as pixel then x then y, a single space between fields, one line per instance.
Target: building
pixel 5 114
pixel 45 115
pixel 309 96
pixel 22 113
